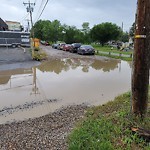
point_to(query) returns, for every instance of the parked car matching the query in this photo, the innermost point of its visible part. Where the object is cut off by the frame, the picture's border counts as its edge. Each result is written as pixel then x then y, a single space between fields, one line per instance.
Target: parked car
pixel 67 47
pixel 45 43
pixel 54 46
pixel 75 46
pixel 86 49
pixel 60 46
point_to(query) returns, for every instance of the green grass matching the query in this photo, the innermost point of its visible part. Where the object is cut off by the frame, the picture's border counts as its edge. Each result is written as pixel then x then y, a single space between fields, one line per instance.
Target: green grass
pixel 108 49
pixel 116 57
pixel 108 127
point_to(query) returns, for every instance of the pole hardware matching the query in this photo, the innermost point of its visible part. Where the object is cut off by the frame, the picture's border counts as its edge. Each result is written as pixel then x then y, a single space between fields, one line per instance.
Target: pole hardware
pixel 140 37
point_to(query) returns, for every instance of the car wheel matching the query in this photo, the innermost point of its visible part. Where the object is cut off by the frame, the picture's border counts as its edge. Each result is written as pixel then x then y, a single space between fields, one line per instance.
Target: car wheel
pixel 13 45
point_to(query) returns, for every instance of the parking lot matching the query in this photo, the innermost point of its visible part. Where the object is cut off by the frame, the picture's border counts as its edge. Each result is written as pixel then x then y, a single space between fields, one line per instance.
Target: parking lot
pixel 13 58
pixel 10 55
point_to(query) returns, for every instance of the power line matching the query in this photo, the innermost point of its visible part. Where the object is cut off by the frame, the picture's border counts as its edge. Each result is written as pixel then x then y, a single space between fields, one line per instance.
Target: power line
pixel 43 9
pixel 24 17
pixel 41 4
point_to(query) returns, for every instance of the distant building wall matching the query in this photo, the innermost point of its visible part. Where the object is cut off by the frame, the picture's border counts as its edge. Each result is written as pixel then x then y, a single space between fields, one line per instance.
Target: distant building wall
pixel 13 25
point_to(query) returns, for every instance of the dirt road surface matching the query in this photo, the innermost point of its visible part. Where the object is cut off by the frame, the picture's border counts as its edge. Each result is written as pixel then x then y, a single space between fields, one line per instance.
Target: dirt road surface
pixel 54 54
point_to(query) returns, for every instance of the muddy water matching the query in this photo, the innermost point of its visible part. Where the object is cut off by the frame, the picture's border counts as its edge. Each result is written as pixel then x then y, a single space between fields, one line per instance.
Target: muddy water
pixel 28 93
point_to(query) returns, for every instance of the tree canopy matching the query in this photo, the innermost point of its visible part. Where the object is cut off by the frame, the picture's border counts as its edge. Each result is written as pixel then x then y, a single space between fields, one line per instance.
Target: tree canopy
pixel 105 32
pixel 53 31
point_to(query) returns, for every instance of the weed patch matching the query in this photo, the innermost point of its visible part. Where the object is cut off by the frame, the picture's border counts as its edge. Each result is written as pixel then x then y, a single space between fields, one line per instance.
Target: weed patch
pixel 108 127
pixel 38 54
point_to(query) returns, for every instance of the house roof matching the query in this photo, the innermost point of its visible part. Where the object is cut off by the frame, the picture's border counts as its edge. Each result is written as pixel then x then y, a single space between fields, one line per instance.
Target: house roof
pixel 3 24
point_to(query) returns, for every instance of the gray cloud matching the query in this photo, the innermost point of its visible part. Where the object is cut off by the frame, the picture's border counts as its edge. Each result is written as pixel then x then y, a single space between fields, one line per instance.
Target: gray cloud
pixel 74 12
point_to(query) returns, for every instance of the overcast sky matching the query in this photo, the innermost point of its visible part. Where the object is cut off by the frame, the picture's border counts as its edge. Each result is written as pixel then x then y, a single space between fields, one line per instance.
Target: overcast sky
pixel 73 12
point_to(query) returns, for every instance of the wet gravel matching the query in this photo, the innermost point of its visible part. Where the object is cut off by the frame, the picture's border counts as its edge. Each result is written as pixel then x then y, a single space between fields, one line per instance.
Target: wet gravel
pixel 26 106
pixel 44 133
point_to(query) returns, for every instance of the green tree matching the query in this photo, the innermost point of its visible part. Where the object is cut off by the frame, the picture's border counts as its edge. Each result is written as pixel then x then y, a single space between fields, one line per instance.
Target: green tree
pixel 38 26
pixel 86 31
pixel 56 30
pixel 71 34
pixel 132 30
pixel 85 27
pixel 105 32
pixel 124 37
pixel 47 30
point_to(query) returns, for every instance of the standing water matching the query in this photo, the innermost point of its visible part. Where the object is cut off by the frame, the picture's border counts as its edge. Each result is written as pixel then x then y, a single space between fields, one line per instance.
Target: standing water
pixel 34 92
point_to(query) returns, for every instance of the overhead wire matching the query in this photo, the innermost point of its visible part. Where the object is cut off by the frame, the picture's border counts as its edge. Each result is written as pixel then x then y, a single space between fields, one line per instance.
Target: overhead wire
pixel 24 18
pixel 38 12
pixel 43 10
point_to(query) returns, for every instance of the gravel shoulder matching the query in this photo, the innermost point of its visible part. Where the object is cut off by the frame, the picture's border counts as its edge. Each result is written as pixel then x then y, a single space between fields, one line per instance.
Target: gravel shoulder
pixel 44 133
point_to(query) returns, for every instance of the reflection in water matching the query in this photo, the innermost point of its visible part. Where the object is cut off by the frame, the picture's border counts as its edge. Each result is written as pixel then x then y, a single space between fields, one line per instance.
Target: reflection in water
pixel 5 76
pixel 58 65
pixel 35 89
pixel 71 81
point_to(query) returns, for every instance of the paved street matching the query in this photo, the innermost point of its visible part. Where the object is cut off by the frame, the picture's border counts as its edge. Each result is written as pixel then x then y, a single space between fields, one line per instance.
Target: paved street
pixel 12 55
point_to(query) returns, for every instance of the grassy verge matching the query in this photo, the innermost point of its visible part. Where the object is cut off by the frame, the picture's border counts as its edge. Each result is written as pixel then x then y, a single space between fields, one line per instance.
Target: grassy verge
pixel 108 127
pixel 108 49
pixel 116 57
pixel 38 54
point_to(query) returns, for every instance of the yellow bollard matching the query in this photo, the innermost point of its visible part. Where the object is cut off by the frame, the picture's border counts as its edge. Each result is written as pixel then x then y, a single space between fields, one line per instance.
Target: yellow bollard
pixel 36 43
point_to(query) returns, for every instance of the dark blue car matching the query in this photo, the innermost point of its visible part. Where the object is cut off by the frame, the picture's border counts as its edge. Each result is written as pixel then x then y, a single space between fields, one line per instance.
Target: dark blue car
pixel 86 49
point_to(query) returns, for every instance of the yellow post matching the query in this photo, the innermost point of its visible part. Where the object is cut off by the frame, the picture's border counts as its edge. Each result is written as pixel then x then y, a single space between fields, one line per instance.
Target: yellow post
pixel 36 43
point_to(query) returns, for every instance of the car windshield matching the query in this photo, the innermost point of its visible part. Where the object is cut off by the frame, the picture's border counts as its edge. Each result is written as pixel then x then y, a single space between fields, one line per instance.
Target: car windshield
pixel 87 46
pixel 76 44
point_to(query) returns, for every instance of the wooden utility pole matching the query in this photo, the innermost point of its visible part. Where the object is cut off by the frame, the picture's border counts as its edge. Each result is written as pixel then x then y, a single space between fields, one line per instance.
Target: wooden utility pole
pixel 140 76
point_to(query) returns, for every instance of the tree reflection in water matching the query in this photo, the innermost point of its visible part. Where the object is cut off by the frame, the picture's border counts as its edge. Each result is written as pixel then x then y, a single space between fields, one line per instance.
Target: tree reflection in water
pixel 59 65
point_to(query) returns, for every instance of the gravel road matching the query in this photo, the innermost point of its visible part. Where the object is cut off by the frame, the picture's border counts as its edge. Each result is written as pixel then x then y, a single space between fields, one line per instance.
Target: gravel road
pixel 59 54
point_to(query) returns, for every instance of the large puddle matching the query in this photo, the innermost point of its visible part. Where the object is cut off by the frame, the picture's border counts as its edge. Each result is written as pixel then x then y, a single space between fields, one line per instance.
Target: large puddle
pixel 28 93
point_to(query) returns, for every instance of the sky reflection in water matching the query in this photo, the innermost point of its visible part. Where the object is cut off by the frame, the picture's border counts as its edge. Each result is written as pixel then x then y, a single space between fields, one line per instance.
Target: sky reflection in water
pixel 70 81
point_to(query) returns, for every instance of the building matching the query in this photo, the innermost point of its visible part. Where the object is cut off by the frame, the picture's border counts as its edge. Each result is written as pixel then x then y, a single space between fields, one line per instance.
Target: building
pixel 13 26
pixel 3 25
